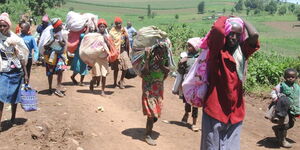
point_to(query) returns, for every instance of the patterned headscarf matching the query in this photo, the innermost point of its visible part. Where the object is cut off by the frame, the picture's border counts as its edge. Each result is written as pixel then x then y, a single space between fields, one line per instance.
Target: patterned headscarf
pixel 236 20
pixel 5 17
pixel 56 22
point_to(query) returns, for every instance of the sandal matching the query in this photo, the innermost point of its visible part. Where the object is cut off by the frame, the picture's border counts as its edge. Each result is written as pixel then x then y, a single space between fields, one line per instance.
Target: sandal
pixel 150 141
pixel 195 128
pixel 59 93
pixel 121 84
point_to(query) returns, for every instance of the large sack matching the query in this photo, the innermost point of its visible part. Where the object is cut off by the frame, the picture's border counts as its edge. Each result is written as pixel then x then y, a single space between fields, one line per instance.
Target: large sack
pixel 75 21
pixel 147 37
pixel 92 48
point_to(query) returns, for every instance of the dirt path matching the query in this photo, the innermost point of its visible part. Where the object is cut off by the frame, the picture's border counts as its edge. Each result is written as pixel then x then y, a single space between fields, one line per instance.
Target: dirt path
pixel 74 122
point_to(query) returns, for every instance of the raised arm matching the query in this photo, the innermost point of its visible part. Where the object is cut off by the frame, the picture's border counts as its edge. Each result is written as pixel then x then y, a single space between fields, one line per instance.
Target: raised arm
pixel 252 33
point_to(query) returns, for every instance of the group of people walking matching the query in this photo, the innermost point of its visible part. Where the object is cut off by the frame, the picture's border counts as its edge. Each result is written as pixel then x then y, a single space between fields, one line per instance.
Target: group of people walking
pixel 231 41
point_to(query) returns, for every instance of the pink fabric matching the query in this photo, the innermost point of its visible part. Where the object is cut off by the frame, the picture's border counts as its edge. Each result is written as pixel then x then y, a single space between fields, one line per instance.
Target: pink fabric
pixel 73 41
pixel 5 17
pixel 239 21
pixel 45 18
pixel 195 42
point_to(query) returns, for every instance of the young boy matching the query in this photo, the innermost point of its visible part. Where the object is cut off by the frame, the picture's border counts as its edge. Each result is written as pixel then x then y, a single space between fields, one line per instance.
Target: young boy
pixel 193 45
pixel 31 44
pixel 289 90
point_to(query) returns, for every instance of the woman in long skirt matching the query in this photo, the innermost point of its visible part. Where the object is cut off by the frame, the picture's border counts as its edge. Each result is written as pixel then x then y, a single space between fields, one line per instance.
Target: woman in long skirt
pixel 14 53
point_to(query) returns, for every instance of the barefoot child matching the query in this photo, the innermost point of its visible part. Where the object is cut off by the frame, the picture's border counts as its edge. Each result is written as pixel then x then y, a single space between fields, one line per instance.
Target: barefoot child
pixel 291 90
pixel 154 73
pixel 184 65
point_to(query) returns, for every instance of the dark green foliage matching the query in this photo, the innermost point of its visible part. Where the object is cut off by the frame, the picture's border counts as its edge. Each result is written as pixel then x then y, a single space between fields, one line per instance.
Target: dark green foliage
pixel 292 7
pixel 239 6
pixel 176 16
pixel 267 70
pixel 201 7
pixel 149 11
pixel 271 7
pixel 282 10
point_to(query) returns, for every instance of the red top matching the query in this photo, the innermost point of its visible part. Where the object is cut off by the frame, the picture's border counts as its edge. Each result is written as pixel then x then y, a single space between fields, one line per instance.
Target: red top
pixel 225 100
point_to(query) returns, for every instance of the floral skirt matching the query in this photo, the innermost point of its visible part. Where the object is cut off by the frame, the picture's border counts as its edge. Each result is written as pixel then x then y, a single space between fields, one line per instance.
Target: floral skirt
pixel 152 98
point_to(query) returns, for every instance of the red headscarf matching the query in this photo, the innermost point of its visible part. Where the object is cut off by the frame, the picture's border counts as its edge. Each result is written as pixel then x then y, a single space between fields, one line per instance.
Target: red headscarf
pixel 118 19
pixel 102 21
pixel 57 23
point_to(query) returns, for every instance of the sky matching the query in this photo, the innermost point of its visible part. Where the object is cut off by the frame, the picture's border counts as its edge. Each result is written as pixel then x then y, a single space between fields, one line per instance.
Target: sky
pixel 293 1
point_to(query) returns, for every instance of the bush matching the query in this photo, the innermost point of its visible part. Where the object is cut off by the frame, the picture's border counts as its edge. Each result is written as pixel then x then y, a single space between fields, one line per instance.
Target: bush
pixel 282 10
pixel 267 70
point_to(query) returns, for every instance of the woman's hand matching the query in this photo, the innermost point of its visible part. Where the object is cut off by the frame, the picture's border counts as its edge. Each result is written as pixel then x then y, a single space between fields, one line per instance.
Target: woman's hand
pixel 26 79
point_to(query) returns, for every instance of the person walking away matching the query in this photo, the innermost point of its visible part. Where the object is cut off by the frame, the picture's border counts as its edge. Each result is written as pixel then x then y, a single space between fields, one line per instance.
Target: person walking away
pixel 290 89
pixel 13 59
pixel 131 33
pixel 120 37
pixel 184 65
pixel 31 45
pixel 78 66
pixel 101 68
pixel 54 55
pixel 155 71
pixel 224 106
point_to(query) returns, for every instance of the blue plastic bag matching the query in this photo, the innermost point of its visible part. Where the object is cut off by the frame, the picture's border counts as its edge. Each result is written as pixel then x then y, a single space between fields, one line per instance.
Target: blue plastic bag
pixel 28 98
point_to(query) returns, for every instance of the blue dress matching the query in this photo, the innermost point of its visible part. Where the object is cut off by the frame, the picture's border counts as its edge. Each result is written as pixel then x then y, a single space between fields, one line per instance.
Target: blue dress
pixel 78 66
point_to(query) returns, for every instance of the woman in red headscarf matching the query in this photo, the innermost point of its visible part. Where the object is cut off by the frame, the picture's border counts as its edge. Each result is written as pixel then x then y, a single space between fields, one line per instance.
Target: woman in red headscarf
pixel 121 40
pixel 101 69
pixel 55 55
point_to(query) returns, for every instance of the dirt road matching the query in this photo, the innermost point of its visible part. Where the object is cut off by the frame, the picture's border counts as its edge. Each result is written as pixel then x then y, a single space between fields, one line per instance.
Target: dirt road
pixel 75 122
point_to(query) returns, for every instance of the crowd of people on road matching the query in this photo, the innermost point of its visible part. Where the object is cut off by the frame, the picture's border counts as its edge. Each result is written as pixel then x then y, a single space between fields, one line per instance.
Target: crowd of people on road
pixel 229 44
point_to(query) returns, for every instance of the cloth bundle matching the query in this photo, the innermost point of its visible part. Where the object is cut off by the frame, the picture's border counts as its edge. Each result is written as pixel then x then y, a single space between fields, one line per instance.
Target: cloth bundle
pixel 93 47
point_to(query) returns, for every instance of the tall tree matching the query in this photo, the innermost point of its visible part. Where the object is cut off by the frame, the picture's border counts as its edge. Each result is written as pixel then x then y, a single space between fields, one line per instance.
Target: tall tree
pixel 239 6
pixel 201 7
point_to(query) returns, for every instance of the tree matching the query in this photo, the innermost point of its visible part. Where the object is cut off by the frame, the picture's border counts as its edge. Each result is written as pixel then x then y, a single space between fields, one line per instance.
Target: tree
pixel 149 11
pixel 292 8
pixel 239 6
pixel 248 11
pixel 224 10
pixel 201 6
pixel 176 16
pixel 282 10
pixel 232 10
pixel 271 7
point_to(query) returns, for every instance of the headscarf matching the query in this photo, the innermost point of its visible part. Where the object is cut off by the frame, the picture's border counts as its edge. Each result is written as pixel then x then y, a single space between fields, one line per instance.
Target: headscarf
pixel 195 42
pixel 45 18
pixel 228 25
pixel 102 21
pixel 56 22
pixel 5 17
pixel 118 19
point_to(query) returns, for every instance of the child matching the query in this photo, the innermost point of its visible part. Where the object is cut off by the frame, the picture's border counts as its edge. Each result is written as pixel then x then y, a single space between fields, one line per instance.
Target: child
pixel 155 71
pixel 291 90
pixel 183 68
pixel 31 44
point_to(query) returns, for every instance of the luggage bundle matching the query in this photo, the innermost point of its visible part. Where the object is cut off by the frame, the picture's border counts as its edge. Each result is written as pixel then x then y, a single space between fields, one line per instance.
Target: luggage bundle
pixel 93 47
pixel 146 37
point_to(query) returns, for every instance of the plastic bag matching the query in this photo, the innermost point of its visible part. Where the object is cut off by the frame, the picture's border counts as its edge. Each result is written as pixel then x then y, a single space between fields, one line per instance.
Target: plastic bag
pixel 195 84
pixel 28 98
